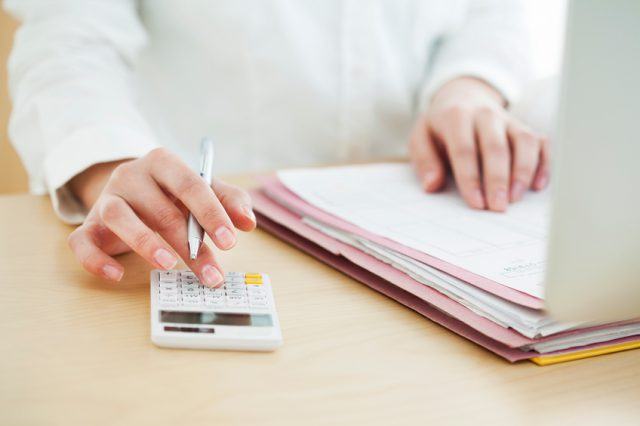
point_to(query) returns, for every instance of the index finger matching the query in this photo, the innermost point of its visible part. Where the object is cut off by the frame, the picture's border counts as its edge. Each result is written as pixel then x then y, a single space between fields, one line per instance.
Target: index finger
pixel 175 176
pixel 458 139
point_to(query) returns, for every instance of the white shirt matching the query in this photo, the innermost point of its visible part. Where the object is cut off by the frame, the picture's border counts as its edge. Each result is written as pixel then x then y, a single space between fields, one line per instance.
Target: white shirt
pixel 275 82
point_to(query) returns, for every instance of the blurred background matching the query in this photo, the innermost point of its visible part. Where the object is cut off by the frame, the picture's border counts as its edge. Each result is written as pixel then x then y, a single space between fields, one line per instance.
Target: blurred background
pixel 544 17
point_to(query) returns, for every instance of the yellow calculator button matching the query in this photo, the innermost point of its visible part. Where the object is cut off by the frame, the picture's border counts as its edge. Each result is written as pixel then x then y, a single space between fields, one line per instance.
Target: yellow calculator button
pixel 252 275
pixel 253 280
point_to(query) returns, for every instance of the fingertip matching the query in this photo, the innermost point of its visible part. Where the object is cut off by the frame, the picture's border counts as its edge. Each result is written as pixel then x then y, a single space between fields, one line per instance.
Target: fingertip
pixel 475 199
pixel 248 220
pixel 432 180
pixel 498 201
pixel 541 182
pixel 517 191
pixel 224 238
pixel 112 272
pixel 211 276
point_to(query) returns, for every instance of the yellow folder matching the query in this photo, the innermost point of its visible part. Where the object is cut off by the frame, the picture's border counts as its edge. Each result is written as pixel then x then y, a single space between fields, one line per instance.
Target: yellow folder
pixel 555 359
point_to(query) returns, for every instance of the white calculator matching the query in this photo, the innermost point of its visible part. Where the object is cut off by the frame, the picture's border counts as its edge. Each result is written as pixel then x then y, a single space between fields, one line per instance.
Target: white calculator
pixel 239 315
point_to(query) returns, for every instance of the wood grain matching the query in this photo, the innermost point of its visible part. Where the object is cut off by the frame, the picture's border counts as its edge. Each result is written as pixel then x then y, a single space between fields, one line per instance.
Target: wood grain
pixel 76 350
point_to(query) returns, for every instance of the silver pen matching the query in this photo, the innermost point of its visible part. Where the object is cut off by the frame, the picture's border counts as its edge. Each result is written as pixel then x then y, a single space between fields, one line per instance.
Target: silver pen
pixel 194 230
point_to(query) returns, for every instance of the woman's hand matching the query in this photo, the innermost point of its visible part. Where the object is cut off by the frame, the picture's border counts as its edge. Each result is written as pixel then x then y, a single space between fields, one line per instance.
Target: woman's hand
pixel 143 207
pixel 494 158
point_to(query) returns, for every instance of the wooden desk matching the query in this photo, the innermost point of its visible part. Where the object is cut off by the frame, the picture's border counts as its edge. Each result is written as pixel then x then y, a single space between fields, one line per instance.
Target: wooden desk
pixel 76 350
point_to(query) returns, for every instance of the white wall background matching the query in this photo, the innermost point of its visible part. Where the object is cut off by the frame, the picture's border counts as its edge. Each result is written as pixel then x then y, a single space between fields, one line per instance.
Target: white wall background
pixel 546 20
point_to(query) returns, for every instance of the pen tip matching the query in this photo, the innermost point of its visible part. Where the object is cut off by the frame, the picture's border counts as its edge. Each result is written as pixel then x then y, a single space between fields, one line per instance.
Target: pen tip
pixel 193 251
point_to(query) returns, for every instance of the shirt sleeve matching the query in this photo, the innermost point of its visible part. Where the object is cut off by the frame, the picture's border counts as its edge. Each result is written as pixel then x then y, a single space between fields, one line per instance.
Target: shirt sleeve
pixel 71 83
pixel 491 43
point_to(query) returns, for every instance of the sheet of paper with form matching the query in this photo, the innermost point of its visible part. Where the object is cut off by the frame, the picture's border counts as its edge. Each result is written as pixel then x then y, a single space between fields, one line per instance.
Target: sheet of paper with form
pixel 386 199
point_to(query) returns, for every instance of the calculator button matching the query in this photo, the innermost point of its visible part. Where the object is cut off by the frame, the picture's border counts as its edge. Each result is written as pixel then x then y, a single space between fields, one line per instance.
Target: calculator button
pixel 236 292
pixel 168 276
pixel 239 280
pixel 190 285
pixel 234 274
pixel 214 303
pixel 255 289
pixel 253 275
pixel 188 275
pixel 259 303
pixel 235 286
pixel 255 281
pixel 235 300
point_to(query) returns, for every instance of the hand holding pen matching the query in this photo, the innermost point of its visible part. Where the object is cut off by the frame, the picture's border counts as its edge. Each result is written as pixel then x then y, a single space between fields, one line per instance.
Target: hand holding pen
pixel 142 205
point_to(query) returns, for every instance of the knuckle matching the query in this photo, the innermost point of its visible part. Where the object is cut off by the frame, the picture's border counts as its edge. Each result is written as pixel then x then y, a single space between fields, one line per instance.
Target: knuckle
pixel 523 172
pixel 486 111
pixel 110 209
pixel 496 178
pixel 121 172
pixel 496 150
pixel 168 218
pixel 89 262
pixel 213 217
pixel 141 239
pixel 158 154
pixel 525 137
pixel 462 151
pixel 457 112
pixel 233 193
pixel 190 184
pixel 72 239
pixel 468 177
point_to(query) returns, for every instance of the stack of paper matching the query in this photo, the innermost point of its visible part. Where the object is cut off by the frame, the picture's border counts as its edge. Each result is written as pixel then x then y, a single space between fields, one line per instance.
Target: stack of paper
pixel 478 273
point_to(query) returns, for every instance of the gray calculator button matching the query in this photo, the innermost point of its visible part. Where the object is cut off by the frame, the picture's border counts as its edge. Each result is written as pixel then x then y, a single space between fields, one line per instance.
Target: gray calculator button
pixel 259 303
pixel 217 302
pixel 168 276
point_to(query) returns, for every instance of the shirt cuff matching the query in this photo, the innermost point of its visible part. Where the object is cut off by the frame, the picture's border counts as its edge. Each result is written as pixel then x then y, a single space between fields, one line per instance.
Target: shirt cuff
pixel 503 81
pixel 83 149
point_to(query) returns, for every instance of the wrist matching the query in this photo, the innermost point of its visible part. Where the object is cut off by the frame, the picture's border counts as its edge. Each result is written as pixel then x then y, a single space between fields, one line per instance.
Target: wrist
pixel 88 184
pixel 468 87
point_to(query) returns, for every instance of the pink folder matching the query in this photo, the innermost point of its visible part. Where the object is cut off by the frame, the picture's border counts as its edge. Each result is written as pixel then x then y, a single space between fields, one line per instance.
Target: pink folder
pixel 275 189
pixel 397 285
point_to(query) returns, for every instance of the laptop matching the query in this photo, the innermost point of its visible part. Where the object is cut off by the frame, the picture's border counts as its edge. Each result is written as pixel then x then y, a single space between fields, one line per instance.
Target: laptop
pixel 594 245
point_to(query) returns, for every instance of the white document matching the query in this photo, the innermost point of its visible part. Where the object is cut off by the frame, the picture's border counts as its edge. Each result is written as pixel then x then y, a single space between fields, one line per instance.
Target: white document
pixel 386 199
pixel 528 322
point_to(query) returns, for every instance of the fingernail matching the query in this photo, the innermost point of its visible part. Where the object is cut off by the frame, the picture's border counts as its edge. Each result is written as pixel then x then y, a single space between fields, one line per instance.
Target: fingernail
pixel 500 201
pixel 248 212
pixel 517 190
pixel 112 273
pixel 225 238
pixel 165 259
pixel 211 276
pixel 477 199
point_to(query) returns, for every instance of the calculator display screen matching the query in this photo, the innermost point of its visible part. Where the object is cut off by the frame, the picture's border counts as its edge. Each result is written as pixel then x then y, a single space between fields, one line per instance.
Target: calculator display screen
pixel 216 318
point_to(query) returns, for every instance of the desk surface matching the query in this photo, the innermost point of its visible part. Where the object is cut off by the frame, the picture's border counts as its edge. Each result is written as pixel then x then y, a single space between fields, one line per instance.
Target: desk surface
pixel 76 350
